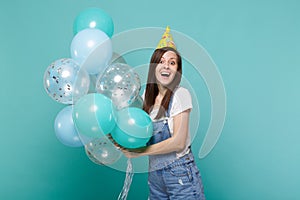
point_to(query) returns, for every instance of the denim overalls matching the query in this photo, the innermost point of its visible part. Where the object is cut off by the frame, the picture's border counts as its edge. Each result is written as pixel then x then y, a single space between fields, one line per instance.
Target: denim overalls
pixel 171 177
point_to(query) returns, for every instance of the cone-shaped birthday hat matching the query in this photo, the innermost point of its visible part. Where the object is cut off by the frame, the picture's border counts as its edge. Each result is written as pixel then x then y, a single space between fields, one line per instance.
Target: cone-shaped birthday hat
pixel 166 40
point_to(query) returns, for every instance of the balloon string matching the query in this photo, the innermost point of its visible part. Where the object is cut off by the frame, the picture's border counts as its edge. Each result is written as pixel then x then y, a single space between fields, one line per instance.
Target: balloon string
pixel 127 182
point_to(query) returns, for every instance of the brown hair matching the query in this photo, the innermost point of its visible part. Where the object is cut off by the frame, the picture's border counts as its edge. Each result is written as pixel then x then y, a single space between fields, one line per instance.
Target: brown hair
pixel 152 88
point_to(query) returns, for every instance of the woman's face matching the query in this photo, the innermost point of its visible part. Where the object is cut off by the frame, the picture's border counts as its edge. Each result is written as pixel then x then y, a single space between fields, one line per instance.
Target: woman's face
pixel 167 68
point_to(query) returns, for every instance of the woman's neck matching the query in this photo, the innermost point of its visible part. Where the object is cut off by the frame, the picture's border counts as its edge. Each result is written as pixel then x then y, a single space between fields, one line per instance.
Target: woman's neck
pixel 161 90
pixel 161 93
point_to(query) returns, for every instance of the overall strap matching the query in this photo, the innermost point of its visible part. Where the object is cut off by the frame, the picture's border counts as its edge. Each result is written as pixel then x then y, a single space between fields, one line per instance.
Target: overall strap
pixel 169 107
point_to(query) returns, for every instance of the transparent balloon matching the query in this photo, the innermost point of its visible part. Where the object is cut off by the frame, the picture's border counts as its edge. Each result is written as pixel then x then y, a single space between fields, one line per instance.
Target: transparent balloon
pixel 138 103
pixel 102 151
pixel 93 78
pixel 120 83
pixel 117 58
pixel 65 81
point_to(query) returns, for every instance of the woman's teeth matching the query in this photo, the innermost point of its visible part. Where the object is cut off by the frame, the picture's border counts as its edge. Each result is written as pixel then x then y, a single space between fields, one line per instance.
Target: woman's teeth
pixel 166 74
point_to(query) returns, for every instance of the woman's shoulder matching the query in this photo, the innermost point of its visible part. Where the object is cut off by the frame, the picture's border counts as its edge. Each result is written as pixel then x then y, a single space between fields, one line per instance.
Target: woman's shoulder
pixel 182 96
pixel 181 91
pixel 182 101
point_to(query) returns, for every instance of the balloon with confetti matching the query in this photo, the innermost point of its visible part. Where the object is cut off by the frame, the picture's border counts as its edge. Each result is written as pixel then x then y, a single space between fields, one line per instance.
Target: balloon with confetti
pixel 120 83
pixel 65 81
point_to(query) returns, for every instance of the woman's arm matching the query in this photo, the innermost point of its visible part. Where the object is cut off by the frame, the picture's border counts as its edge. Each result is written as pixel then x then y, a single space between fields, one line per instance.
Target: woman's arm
pixel 176 143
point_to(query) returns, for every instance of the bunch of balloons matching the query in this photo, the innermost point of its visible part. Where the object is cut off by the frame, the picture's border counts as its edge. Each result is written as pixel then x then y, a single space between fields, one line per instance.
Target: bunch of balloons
pixel 112 107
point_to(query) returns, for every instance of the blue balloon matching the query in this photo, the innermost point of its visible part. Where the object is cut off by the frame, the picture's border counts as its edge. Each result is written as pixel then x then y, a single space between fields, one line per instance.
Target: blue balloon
pixel 65 130
pixel 92 49
pixel 94 115
pixel 134 128
pixel 94 18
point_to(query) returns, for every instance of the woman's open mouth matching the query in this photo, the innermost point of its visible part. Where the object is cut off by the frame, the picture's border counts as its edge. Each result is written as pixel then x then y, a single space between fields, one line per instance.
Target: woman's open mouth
pixel 165 74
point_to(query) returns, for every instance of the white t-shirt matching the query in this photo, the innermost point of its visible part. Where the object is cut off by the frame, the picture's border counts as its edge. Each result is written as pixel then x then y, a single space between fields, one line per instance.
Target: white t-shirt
pixel 182 101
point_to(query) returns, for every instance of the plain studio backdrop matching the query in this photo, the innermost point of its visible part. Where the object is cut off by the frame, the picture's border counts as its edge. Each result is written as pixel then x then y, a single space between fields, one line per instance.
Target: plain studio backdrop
pixel 255 45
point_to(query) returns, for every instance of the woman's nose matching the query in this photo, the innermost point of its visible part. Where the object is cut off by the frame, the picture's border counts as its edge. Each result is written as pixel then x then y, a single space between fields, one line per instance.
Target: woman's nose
pixel 166 66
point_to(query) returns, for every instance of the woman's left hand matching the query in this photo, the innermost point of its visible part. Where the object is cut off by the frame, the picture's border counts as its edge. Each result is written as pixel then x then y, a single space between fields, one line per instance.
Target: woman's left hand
pixel 130 154
pixel 133 153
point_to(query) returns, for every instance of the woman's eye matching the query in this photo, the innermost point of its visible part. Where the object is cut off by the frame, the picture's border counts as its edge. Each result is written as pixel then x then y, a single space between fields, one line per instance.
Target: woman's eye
pixel 161 62
pixel 173 63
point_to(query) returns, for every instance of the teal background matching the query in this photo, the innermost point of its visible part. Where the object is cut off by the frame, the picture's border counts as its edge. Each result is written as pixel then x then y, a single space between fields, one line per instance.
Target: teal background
pixel 255 45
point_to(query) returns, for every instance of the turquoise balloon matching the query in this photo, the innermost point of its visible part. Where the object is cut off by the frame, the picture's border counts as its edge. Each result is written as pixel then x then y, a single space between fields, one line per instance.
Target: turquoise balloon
pixel 93 115
pixel 94 18
pixel 134 128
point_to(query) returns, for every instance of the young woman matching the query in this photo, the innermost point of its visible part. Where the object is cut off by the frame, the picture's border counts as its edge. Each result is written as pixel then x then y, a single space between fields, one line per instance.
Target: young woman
pixel 173 173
